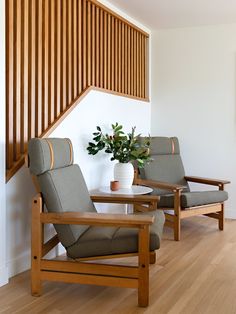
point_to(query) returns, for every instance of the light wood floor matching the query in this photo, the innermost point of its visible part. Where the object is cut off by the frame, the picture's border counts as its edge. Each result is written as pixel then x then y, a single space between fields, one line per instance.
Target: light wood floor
pixel 194 276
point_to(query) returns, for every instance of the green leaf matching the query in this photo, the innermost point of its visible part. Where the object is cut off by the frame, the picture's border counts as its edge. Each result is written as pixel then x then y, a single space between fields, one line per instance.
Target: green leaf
pixel 118 128
pixel 92 144
pixel 97 138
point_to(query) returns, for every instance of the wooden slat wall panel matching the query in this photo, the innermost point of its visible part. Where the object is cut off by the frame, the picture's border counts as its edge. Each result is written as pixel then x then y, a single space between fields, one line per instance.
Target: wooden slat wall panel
pixel 45 44
pixel 56 50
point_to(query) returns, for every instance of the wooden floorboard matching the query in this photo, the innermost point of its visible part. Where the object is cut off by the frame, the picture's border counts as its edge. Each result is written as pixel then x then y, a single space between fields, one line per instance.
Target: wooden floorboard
pixel 194 276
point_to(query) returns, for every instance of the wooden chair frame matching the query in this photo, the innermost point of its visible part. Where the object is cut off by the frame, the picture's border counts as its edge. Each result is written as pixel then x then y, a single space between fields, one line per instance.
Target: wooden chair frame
pixel 80 271
pixel 173 221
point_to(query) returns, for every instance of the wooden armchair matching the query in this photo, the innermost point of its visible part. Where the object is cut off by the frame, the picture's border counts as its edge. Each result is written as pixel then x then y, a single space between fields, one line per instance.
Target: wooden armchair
pixel 166 175
pixel 86 235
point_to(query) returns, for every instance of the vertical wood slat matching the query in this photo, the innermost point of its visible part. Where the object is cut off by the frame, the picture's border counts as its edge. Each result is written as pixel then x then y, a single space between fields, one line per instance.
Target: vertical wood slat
pixel 128 61
pixel 88 44
pixel 108 52
pixel 84 42
pixel 145 68
pixel 57 60
pixel 9 83
pixel 101 69
pixel 80 64
pixel 55 50
pixel 68 54
pixel 113 53
pixel 97 47
pixel 51 96
pixel 132 62
pixel 142 66
pixel 120 56
pixel 137 63
pixel 93 45
pixel 16 81
pixel 74 43
pixel 63 54
pixel 31 83
pixel 24 81
pixel 116 72
pixel 105 50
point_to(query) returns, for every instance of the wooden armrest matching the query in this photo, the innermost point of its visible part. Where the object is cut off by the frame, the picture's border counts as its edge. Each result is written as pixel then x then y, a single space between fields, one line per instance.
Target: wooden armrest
pixel 122 199
pixel 75 218
pixel 160 185
pixel 206 180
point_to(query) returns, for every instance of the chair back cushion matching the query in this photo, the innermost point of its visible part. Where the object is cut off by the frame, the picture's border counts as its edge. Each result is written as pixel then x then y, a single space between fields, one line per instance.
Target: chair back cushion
pixel 48 154
pixel 61 182
pixel 166 165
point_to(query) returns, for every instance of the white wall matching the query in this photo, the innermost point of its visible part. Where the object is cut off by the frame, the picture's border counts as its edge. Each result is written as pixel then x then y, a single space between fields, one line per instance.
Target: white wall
pixel 95 109
pixel 3 268
pixel 194 98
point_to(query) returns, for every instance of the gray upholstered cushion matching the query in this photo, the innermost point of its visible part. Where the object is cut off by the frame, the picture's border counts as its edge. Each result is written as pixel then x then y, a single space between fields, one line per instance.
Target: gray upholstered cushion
pixel 165 168
pixel 166 165
pixel 64 190
pixel 191 199
pixel 105 241
pixel 160 145
pixel 42 158
pixel 164 145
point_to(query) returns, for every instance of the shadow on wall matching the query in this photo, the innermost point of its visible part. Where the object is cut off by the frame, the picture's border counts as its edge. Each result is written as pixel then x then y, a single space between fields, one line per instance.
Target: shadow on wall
pixel 19 193
pixel 235 92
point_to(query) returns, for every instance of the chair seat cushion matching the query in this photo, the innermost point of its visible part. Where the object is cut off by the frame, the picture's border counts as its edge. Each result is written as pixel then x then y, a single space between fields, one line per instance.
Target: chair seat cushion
pixel 191 199
pixel 98 241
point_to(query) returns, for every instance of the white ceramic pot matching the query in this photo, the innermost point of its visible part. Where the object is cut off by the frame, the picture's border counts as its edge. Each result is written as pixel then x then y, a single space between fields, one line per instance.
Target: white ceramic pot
pixel 124 173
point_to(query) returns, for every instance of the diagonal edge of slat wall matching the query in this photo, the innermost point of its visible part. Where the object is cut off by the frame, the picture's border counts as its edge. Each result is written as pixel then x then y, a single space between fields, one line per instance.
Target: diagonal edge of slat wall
pixel 56 51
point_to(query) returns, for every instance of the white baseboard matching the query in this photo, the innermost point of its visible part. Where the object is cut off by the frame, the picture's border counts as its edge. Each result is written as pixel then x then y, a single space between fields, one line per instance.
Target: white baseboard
pixel 22 263
pixel 18 264
pixel 3 276
pixel 230 213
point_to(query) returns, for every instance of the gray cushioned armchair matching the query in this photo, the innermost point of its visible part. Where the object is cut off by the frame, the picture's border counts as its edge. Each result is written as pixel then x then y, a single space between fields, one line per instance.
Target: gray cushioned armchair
pixel 85 234
pixel 167 176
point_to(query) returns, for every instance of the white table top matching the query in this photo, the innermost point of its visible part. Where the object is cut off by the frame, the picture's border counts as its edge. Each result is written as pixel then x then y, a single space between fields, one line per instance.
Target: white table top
pixel 134 190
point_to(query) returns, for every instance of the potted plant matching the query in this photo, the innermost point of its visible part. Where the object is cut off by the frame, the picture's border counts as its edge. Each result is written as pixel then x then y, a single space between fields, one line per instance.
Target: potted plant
pixel 126 148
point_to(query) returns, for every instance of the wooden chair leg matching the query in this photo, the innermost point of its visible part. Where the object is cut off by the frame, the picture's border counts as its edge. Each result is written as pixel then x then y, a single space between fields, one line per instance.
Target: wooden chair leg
pixel 221 221
pixel 177 228
pixel 177 215
pixel 152 257
pixel 36 246
pixel 143 281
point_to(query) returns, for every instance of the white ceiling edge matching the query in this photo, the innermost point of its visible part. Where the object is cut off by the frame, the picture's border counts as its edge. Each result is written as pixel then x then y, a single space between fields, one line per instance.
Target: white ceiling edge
pixel 125 16
pixel 169 14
